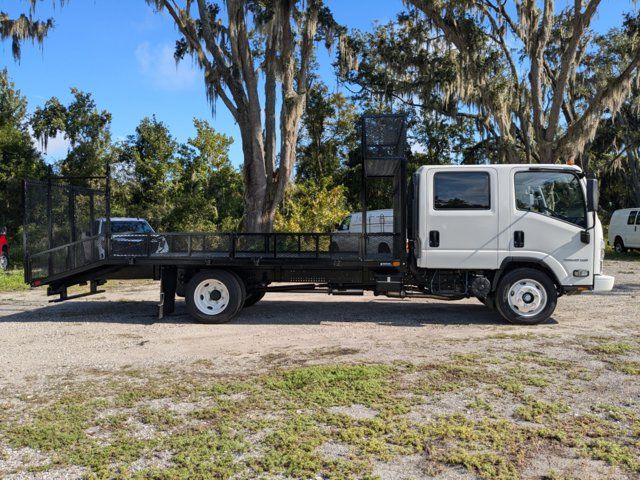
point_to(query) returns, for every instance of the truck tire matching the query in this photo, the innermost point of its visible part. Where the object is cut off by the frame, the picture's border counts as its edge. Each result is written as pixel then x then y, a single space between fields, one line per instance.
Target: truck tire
pixel 253 298
pixel 4 261
pixel 526 296
pixel 618 245
pixel 214 296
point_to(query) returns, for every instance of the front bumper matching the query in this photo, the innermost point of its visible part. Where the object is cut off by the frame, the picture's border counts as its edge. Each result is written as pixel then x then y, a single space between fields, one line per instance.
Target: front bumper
pixel 603 283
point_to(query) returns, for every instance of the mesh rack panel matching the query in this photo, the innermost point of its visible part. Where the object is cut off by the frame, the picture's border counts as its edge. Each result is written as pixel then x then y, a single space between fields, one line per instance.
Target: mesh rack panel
pixel 60 227
pixel 384 144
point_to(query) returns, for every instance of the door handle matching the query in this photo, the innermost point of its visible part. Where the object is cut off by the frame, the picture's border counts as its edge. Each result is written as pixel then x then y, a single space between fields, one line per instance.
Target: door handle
pixel 434 238
pixel 518 239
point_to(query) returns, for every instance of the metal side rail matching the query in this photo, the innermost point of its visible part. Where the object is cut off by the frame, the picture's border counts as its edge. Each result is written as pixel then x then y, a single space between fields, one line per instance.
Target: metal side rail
pixel 377 247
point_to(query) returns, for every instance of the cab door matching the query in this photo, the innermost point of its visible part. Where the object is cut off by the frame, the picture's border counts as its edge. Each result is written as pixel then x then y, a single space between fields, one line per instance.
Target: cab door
pixel 548 218
pixel 462 218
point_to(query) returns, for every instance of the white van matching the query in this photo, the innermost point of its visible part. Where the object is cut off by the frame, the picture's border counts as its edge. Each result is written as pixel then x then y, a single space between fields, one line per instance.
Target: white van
pixel 624 229
pixel 378 221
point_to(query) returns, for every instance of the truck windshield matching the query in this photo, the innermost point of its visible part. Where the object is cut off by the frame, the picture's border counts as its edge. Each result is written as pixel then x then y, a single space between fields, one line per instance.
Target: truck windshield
pixel 120 226
pixel 344 225
pixel 554 194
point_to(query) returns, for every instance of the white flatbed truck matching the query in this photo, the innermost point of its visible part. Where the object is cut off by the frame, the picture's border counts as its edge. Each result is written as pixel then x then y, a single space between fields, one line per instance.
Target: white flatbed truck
pixel 517 237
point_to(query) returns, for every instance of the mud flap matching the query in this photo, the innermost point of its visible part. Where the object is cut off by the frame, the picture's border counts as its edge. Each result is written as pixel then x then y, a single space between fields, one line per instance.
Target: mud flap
pixel 168 284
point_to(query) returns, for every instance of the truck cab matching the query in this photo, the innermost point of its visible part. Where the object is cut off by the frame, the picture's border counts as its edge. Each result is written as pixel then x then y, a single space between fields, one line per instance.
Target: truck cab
pixel 515 236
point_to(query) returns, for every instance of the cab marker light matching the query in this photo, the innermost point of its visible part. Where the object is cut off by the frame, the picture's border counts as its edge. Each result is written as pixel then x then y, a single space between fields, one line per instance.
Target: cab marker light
pixel 581 273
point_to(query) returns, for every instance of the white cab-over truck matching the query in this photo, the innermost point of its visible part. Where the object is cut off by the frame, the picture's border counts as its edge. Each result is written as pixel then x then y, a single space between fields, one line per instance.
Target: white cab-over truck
pixel 516 237
pixel 526 233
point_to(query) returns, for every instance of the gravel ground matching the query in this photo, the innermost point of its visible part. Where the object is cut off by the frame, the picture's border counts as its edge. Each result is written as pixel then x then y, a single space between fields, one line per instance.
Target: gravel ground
pixel 120 328
pixel 108 364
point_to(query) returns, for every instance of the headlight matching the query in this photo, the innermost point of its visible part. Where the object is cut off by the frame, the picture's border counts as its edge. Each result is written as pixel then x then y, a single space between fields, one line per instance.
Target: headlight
pixel 163 246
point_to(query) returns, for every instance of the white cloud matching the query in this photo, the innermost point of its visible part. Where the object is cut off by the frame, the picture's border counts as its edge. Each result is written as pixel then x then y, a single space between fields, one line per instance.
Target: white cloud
pixel 157 64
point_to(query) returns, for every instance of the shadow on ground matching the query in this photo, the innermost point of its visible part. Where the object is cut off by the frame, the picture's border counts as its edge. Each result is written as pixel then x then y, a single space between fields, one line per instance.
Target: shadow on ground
pixel 270 312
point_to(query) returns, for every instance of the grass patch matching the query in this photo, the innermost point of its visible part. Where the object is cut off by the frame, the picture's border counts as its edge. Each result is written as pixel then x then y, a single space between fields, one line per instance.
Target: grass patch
pixel 629 368
pixel 278 424
pixel 535 410
pixel 614 454
pixel 333 385
pixel 12 281
pixel 610 348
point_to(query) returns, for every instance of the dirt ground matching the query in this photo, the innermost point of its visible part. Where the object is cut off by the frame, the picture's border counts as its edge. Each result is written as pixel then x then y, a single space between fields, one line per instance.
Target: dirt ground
pixel 120 328
pixel 320 387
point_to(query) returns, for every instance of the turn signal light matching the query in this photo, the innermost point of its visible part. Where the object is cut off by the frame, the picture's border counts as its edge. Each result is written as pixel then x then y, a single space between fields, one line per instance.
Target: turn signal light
pixel 581 273
pixel 395 263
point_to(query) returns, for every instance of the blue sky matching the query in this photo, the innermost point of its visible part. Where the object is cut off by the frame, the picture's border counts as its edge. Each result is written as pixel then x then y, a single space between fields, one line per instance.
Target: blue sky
pixel 122 52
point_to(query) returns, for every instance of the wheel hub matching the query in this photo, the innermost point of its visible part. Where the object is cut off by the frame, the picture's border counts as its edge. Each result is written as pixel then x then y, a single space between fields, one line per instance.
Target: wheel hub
pixel 211 297
pixel 527 298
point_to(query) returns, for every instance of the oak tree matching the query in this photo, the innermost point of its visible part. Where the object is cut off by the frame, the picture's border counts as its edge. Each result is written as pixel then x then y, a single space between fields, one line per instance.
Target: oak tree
pixel 256 56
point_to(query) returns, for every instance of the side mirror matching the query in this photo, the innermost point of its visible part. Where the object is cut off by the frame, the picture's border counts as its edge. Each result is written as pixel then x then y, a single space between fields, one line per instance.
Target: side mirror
pixel 593 195
pixel 3 230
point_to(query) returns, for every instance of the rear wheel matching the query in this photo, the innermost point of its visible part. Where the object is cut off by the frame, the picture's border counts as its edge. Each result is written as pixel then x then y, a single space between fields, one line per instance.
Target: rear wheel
pixel 4 261
pixel 618 246
pixel 526 296
pixel 214 296
pixel 253 298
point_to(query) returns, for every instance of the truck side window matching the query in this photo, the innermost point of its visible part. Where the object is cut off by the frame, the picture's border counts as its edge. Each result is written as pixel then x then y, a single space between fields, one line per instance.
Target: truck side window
pixel 554 194
pixel 461 191
pixel 632 218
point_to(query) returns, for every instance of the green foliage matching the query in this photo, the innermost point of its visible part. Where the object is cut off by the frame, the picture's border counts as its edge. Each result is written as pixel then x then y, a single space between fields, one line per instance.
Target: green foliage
pixel 147 165
pixel 19 158
pixel 190 187
pixel 12 280
pixel 327 136
pixel 311 207
pixel 84 126
pixel 208 189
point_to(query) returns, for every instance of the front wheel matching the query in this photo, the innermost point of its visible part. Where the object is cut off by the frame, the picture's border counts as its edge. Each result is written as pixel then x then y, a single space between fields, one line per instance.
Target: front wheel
pixel 618 246
pixel 526 296
pixel 4 261
pixel 214 296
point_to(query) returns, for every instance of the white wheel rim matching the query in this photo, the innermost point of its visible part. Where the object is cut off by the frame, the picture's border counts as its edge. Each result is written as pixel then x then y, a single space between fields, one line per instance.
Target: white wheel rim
pixel 4 262
pixel 527 298
pixel 211 297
